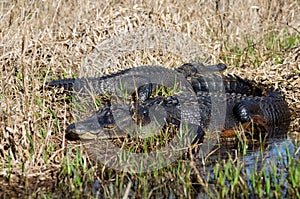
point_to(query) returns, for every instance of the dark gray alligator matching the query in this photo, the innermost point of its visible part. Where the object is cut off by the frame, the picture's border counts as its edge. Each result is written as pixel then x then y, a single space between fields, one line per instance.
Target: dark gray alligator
pixel 201 93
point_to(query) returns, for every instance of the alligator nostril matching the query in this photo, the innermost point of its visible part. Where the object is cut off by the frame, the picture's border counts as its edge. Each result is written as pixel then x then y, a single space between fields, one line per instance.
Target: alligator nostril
pixel 71 128
pixel 170 100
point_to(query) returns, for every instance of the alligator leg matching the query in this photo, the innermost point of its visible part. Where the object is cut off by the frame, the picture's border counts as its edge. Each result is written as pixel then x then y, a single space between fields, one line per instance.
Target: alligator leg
pixel 257 124
pixel 250 116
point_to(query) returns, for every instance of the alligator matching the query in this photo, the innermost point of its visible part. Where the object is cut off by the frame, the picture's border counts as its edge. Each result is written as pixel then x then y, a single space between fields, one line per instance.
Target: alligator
pixel 204 93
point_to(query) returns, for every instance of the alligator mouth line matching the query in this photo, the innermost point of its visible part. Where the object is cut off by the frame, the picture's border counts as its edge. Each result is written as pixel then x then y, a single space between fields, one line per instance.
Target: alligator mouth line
pixel 84 133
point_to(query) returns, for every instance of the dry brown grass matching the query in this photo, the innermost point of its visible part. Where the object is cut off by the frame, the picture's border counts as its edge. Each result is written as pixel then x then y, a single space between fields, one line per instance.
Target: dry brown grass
pixel 44 40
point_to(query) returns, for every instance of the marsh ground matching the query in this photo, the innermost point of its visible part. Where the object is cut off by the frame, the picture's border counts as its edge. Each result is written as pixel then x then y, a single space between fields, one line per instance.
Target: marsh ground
pixel 45 40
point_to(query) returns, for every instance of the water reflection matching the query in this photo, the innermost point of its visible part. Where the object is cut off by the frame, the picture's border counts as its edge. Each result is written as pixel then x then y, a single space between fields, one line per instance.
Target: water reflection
pixel 273 161
pixel 271 157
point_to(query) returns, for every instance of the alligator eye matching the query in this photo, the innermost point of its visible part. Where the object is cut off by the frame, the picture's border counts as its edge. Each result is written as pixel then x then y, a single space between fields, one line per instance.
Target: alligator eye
pixel 145 112
pixel 108 113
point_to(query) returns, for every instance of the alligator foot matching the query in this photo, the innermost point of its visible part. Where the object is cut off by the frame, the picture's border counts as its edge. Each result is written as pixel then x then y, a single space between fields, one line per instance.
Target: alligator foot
pixel 257 124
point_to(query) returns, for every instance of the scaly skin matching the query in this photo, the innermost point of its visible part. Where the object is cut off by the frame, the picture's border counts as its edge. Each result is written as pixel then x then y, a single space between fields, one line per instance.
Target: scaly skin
pixel 244 100
pixel 131 81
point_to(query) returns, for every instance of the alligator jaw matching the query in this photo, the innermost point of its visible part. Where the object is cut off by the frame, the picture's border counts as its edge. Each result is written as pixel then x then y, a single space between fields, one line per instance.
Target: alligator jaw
pixel 90 128
pixel 77 131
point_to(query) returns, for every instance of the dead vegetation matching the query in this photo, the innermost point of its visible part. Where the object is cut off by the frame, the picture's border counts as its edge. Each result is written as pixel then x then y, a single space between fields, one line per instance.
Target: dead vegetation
pixel 45 40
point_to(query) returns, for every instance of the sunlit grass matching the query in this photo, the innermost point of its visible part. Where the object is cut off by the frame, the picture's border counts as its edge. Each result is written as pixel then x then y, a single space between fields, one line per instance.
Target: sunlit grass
pixel 258 50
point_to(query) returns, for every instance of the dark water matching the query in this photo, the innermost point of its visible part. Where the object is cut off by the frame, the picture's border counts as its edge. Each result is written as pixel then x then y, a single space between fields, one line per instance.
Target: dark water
pixel 270 157
pixel 273 160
